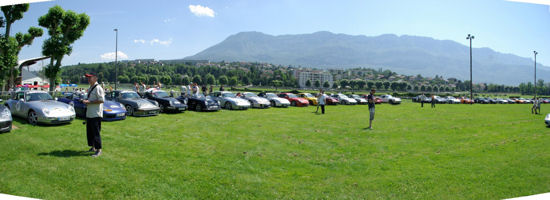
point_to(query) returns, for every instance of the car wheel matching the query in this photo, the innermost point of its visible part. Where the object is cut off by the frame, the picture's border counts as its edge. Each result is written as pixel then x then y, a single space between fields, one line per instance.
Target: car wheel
pixel 199 108
pixel 293 103
pixel 130 110
pixel 32 118
pixel 228 105
pixel 272 103
pixel 162 108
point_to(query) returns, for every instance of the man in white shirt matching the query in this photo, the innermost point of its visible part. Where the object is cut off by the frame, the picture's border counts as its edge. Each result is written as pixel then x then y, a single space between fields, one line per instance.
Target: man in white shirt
pixel 321 101
pixel 94 114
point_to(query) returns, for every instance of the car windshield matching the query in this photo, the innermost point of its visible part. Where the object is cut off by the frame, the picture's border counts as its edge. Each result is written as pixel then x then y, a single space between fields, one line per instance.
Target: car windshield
pixel 250 95
pixel 228 94
pixel 199 96
pixel 161 94
pixel 355 96
pixel 38 97
pixel 292 96
pixel 130 95
pixel 389 96
pixel 309 95
pixel 270 95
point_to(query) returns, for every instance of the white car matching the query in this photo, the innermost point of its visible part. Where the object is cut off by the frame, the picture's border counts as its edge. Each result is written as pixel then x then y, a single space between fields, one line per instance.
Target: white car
pixel 343 99
pixel 452 100
pixel 547 120
pixel 359 99
pixel 229 100
pixel 275 100
pixel 256 101
pixel 390 99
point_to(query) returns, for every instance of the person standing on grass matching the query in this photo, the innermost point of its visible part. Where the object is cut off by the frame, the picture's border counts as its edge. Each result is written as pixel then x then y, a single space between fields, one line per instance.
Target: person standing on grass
pixel 370 99
pixel 94 113
pixel 221 88
pixel 422 97
pixel 535 106
pixel 321 101
pixel 433 101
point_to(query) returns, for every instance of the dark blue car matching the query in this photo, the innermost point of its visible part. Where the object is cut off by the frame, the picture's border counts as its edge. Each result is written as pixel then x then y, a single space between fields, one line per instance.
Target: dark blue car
pixel 112 111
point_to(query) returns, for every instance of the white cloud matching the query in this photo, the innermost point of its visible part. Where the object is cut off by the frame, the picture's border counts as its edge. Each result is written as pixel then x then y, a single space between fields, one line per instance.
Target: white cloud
pixel 201 11
pixel 539 2
pixel 142 41
pixel 111 56
pixel 161 42
pixel 154 41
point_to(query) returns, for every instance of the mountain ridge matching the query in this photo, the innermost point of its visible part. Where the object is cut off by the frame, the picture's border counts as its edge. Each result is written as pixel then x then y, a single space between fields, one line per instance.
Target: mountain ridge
pixel 405 54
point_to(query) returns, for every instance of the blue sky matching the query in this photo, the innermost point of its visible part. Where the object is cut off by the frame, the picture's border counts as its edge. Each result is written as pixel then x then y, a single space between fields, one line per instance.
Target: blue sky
pixel 173 29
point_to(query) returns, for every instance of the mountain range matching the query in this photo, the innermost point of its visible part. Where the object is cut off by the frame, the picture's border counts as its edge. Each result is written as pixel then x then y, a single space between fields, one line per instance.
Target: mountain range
pixel 405 54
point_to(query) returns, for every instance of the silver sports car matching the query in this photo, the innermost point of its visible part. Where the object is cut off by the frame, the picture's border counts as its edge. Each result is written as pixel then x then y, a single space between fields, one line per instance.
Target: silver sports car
pixel 39 107
pixel 275 100
pixel 229 100
pixel 256 101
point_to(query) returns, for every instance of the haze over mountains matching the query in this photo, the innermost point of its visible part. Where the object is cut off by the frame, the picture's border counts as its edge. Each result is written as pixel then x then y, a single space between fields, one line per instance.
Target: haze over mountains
pixel 403 54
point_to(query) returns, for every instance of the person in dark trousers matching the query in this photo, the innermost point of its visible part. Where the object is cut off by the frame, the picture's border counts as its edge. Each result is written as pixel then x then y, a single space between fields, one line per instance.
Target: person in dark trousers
pixel 221 88
pixel 204 90
pixel 94 114
pixel 321 102
pixel 370 100
pixel 422 97
pixel 211 89
pixel 433 101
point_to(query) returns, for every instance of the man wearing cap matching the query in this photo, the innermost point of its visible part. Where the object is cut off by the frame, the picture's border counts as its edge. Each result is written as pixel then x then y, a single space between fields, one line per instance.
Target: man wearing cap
pixel 94 113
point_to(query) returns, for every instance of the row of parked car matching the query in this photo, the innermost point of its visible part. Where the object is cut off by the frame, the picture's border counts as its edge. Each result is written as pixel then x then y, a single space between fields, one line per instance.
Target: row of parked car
pixel 39 107
pixel 480 100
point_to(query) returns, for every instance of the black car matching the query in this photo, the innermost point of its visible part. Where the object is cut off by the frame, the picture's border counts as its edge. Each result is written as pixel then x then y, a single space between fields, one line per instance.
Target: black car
pixel 165 102
pixel 134 104
pixel 199 102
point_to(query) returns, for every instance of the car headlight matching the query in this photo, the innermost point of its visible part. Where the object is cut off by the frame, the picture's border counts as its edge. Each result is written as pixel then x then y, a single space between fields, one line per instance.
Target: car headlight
pixel 46 111
pixel 177 102
pixel 71 108
pixel 122 106
pixel 5 113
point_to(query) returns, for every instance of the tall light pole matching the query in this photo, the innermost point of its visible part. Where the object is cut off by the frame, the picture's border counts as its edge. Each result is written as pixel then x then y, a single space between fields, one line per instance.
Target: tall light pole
pixel 535 52
pixel 471 37
pixel 116 56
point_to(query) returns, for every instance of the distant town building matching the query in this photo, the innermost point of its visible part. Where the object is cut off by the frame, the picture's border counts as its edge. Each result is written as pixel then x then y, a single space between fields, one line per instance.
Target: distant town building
pixel 312 76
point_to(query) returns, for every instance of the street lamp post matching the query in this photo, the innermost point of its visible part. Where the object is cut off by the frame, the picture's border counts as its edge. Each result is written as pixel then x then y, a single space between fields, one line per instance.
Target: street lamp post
pixel 535 52
pixel 116 56
pixel 471 37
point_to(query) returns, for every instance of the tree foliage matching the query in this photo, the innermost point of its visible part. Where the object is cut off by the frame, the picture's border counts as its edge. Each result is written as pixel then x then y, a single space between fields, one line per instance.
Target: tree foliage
pixel 64 28
pixel 11 46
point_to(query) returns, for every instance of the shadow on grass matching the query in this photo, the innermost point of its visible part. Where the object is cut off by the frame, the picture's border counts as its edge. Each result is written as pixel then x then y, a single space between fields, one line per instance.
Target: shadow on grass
pixel 66 153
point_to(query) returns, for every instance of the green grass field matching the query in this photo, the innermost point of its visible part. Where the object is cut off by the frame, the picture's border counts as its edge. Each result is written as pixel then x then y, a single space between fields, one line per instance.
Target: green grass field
pixel 451 152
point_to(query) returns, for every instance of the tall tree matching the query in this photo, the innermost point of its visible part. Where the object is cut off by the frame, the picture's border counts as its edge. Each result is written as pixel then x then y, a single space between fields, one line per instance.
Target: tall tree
pixel 326 84
pixel 223 80
pixel 308 83
pixel 317 84
pixel 11 46
pixel 64 28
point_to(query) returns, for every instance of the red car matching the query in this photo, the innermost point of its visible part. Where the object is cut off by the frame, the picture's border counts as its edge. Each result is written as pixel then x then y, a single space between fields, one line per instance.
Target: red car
pixel 294 100
pixel 331 101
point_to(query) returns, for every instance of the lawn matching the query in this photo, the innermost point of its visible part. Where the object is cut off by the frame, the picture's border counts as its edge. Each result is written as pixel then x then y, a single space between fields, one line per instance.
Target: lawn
pixel 450 152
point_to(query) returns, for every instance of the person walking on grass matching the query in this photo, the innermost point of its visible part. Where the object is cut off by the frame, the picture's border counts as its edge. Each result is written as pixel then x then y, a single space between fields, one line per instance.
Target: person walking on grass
pixel 422 98
pixel 433 101
pixel 370 100
pixel 539 101
pixel 321 102
pixel 94 113
pixel 535 107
